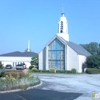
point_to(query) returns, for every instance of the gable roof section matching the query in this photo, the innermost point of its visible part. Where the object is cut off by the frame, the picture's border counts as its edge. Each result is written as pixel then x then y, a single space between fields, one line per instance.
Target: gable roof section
pixel 19 54
pixel 77 48
pixel 56 36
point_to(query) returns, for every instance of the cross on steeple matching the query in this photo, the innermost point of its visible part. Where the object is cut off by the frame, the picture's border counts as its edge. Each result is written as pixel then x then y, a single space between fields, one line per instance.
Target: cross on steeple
pixel 62 13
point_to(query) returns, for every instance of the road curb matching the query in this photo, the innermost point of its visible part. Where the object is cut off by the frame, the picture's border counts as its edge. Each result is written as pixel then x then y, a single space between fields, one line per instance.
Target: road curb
pixel 41 83
pixel 16 90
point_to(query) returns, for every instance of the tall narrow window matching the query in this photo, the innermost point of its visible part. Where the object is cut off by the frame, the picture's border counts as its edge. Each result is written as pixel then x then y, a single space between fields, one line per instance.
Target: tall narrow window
pixel 56 55
pixel 61 28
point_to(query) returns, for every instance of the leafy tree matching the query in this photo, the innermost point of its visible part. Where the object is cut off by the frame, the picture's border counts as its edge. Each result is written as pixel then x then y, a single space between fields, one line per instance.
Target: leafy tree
pixel 34 61
pixel 93 48
pixel 1 66
pixel 2 70
pixel 93 61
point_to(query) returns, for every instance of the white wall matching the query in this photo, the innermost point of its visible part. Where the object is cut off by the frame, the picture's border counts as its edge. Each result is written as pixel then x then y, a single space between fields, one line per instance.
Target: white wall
pixel 41 60
pixel 65 24
pixel 65 57
pixel 15 60
pixel 65 36
pixel 47 67
pixel 72 59
pixel 82 59
pixel 5 63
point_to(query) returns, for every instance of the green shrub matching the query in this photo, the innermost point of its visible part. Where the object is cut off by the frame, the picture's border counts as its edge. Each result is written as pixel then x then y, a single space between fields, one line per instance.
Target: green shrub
pixel 45 71
pixel 34 61
pixel 2 72
pixel 15 73
pixel 93 71
pixel 31 67
pixel 64 71
pixel 52 70
pixel 34 69
pixel 60 71
pixel 73 70
pixel 24 86
pixel 68 72
pixel 40 71
pixel 1 66
pixel 93 61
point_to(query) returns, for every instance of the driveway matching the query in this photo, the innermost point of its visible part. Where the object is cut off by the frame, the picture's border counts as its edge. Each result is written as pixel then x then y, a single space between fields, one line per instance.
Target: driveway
pixel 82 83
pixel 59 87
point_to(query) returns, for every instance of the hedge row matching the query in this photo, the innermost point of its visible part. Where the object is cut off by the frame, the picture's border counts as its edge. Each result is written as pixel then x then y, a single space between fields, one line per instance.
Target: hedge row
pixel 58 71
pixel 93 71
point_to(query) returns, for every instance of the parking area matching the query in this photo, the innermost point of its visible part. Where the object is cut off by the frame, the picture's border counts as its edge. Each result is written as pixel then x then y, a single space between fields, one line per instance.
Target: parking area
pixel 59 87
pixel 82 83
pixel 39 94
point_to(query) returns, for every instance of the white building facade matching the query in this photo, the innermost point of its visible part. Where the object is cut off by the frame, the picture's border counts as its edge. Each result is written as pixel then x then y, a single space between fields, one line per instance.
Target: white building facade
pixel 15 58
pixel 60 53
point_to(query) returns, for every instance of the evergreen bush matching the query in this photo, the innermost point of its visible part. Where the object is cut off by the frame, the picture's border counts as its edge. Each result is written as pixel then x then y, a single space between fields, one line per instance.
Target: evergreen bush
pixel 34 69
pixel 93 71
pixel 2 70
pixel 73 70
pixel 52 70
pixel 93 61
pixel 30 67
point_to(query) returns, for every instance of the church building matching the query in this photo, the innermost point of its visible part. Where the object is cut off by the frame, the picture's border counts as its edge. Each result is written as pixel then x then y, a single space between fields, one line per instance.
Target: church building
pixel 60 53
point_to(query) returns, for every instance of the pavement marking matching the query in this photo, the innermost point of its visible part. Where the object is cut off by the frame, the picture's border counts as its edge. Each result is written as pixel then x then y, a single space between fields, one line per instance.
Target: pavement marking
pixel 21 97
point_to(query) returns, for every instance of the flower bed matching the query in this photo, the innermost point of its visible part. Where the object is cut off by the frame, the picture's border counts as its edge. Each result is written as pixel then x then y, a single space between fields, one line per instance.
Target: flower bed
pixel 10 82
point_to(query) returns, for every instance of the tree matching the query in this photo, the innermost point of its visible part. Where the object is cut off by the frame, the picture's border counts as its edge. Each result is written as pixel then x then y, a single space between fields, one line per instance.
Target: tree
pixel 1 66
pixel 93 61
pixel 34 60
pixel 93 48
pixel 2 70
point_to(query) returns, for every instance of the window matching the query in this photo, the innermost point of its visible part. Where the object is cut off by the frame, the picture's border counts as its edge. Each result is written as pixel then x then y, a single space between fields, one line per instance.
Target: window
pixel 61 27
pixel 56 54
pixel 61 31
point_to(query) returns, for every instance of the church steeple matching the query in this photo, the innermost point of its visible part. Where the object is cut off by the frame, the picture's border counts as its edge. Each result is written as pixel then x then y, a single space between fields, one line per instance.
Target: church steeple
pixel 63 26
pixel 28 49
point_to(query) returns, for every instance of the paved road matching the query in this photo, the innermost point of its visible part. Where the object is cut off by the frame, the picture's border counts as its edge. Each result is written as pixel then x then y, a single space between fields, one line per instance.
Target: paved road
pixel 82 83
pixel 59 87
pixel 38 94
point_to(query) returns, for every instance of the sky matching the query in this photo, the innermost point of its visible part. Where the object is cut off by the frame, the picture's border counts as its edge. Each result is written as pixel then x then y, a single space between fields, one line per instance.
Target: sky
pixel 37 21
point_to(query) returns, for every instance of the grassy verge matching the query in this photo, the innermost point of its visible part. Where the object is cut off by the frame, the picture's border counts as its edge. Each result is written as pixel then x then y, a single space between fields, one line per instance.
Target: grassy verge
pixel 10 82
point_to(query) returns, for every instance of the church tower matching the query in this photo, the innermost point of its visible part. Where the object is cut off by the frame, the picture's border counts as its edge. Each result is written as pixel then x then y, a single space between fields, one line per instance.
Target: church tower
pixel 63 27
pixel 28 49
